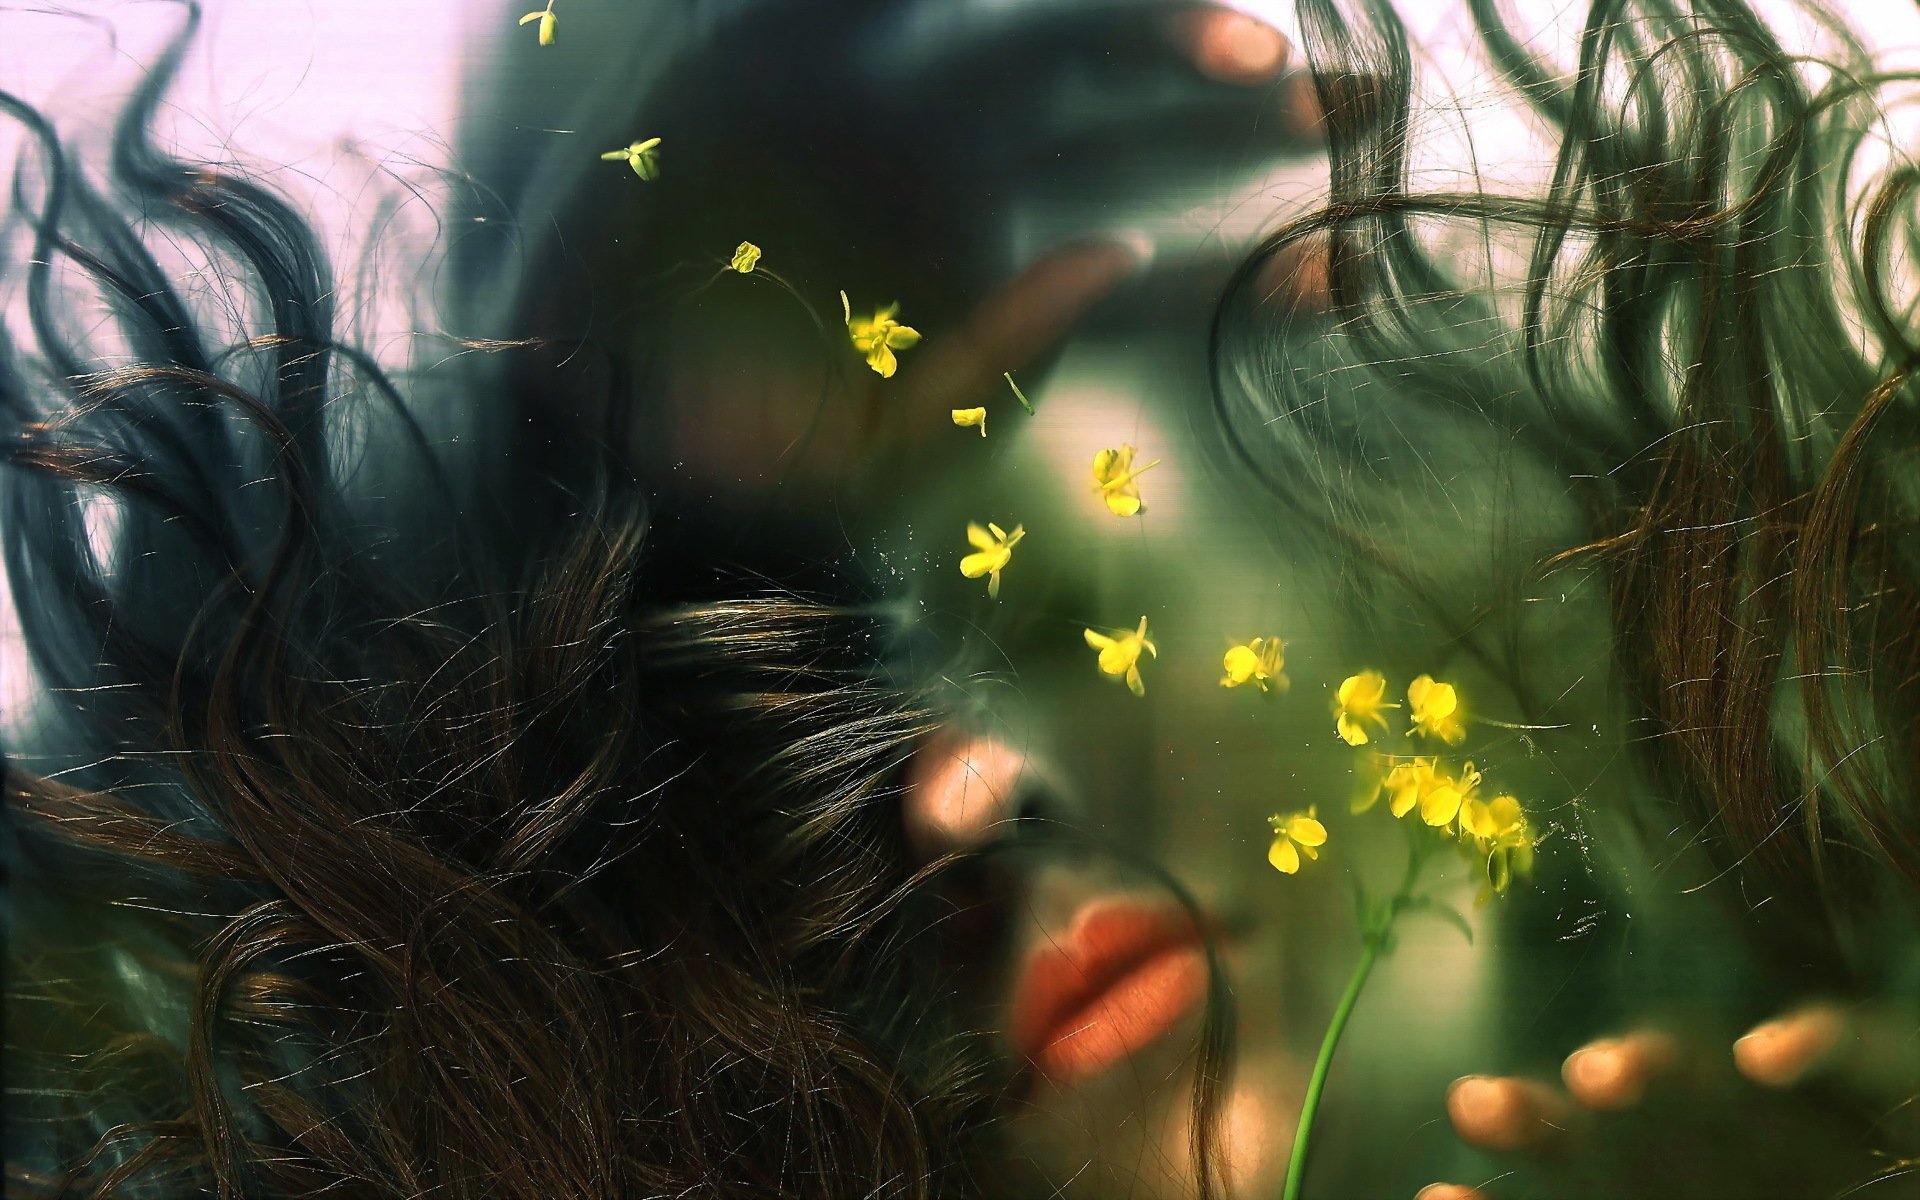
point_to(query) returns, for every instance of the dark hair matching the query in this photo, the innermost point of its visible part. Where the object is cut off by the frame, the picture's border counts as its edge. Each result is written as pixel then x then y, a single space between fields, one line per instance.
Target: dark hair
pixel 399 811
pixel 354 849
pixel 1694 343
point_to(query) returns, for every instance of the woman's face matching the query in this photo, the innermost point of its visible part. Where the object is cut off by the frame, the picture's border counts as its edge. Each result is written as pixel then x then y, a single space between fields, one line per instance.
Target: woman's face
pixel 1119 838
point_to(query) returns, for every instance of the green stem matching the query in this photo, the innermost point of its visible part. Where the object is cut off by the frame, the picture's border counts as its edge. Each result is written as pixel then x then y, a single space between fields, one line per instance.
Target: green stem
pixel 1297 1163
pixel 1373 944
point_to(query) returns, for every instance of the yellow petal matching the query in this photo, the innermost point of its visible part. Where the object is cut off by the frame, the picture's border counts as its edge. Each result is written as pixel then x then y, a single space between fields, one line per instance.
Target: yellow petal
pixel 1307 831
pixel 902 337
pixel 547 23
pixel 1474 819
pixel 993 586
pixel 1134 683
pixel 1239 664
pixel 1121 505
pixel 979 538
pixel 1099 641
pixel 1283 856
pixel 999 534
pixel 1351 731
pixel 965 417
pixel 1363 690
pixel 881 360
pixel 973 566
pixel 1116 657
pixel 746 256
pixel 1439 806
pixel 1103 466
pixel 1504 813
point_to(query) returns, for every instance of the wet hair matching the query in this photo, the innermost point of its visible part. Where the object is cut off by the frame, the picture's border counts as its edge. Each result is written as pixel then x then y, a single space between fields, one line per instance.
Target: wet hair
pixel 1682 368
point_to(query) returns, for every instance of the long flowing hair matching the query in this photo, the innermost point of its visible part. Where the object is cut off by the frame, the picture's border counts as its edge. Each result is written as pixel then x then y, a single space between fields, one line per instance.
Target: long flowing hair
pixel 358 848
pixel 1680 370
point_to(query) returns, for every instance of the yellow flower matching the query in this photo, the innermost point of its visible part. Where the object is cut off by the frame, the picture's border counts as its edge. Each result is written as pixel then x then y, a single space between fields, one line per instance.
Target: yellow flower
pixel 746 256
pixel 1408 783
pixel 1258 662
pixel 878 336
pixel 1497 829
pixel 547 22
pixel 1436 710
pixel 967 417
pixel 1120 654
pixel 1113 477
pixel 1420 784
pixel 1295 834
pixel 1442 802
pixel 643 157
pixel 1361 699
pixel 993 549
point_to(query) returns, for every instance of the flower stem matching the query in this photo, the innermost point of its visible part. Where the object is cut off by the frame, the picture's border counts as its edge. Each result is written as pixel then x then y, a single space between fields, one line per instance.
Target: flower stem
pixel 1297 1162
pixel 1373 943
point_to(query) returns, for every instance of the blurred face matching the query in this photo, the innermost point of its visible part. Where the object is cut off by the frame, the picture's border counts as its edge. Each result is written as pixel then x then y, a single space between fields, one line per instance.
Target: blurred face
pixel 1117 904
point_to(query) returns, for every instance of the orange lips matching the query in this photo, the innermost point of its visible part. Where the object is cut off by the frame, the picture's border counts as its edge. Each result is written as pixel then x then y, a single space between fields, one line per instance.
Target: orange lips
pixel 1123 975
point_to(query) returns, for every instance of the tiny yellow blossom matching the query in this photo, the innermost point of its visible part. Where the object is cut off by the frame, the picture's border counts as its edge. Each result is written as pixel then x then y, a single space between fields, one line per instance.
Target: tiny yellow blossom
pixel 1408 783
pixel 1441 803
pixel 643 157
pixel 1120 654
pixel 968 417
pixel 1258 662
pixel 878 336
pixel 746 256
pixel 547 22
pixel 993 549
pixel 1113 477
pixel 1497 829
pixel 1490 821
pixel 1361 699
pixel 1435 708
pixel 1295 834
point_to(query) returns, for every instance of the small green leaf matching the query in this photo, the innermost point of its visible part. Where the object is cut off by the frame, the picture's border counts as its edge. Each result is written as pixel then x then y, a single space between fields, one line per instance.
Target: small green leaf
pixel 1017 393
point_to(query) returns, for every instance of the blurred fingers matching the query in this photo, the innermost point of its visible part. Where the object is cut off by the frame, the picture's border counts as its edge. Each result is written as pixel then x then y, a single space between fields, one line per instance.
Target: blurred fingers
pixel 1450 1191
pixel 1612 1074
pixel 1231 47
pixel 1506 1114
pixel 1781 1052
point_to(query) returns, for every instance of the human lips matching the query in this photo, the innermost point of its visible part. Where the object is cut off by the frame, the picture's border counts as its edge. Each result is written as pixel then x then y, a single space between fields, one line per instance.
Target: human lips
pixel 1123 975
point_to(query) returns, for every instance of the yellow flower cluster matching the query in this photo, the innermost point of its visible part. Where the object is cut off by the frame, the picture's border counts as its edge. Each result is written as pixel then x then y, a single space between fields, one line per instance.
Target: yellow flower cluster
pixel 1494 832
pixel 1362 701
